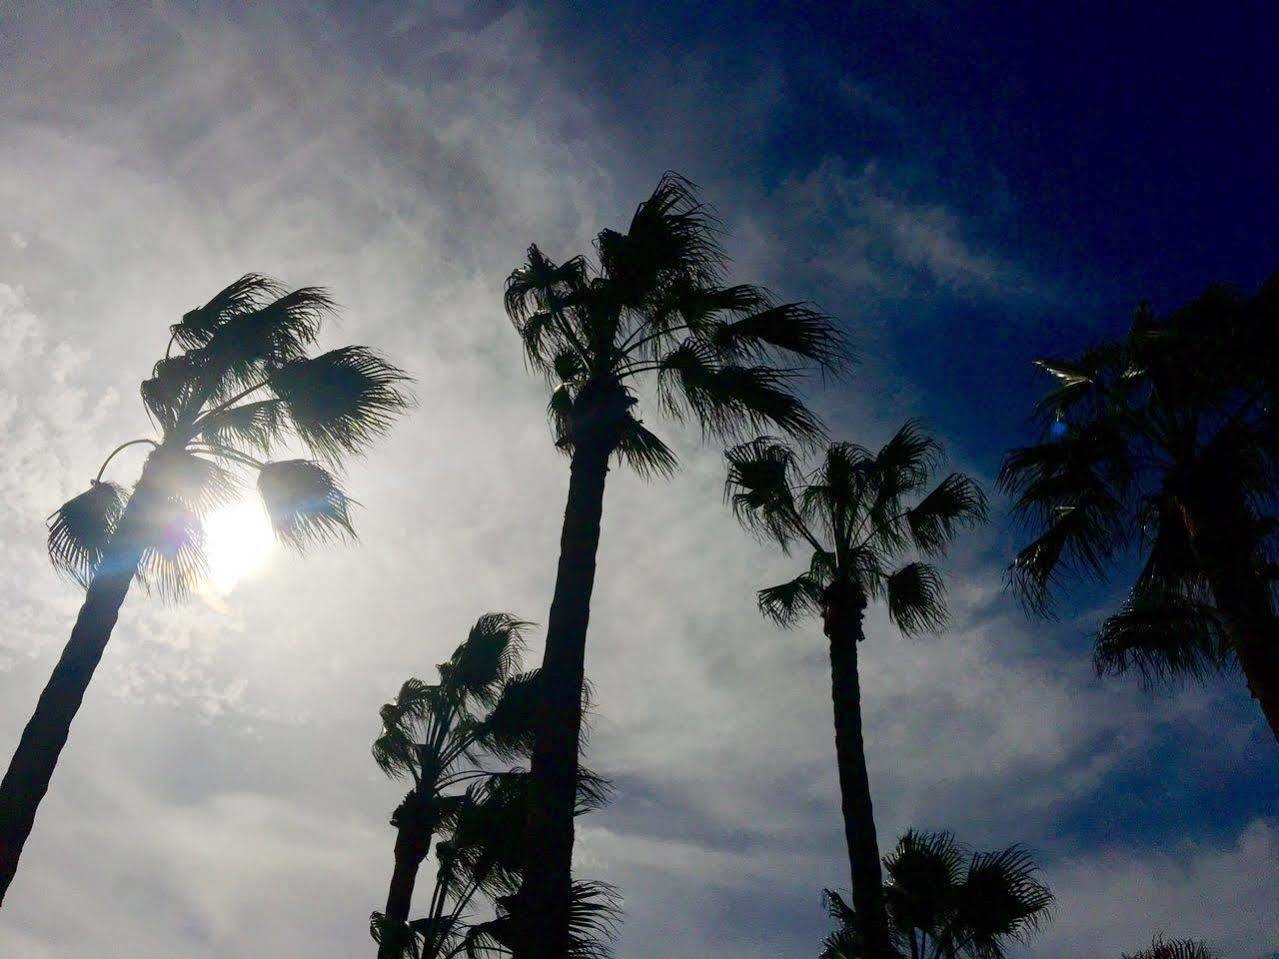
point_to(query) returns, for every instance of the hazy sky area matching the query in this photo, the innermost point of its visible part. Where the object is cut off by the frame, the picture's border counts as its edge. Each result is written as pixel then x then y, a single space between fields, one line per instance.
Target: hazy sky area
pixel 965 192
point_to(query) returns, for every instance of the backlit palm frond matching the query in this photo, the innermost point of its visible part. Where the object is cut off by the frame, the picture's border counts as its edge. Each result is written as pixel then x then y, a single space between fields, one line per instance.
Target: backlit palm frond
pixel 904 463
pixel 304 503
pixel 845 941
pixel 923 875
pixel 595 914
pixel 1161 948
pixel 559 413
pixel 643 451
pixel 340 401
pixel 487 657
pixel 251 345
pixel 173 387
pixel 81 528
pixel 916 598
pixel 782 331
pixel 1163 637
pixel 173 563
pixel 786 603
pixel 1003 899
pixel 762 474
pixel 394 750
pixel 255 427
pixel 196 483
pixel 539 285
pixel 955 503
pixel 838 492
pixel 729 400
pixel 506 730
pixel 246 294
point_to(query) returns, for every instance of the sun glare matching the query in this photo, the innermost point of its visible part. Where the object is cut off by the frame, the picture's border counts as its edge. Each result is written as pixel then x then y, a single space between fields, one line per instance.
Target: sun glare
pixel 238 541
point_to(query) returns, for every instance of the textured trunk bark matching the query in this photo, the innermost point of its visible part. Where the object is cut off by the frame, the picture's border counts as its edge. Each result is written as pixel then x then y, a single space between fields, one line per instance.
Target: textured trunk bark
pixel 547 888
pixel 843 617
pixel 411 847
pixel 31 768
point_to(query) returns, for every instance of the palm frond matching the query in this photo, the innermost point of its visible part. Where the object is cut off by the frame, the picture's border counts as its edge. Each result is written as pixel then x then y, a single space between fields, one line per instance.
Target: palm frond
pixel 485 659
pixel 81 528
pixel 923 875
pixel 304 503
pixel 955 503
pixel 1161 948
pixel 787 602
pixel 198 484
pixel 643 451
pixel 845 942
pixel 784 330
pixel 255 427
pixel 595 913
pixel 506 730
pixel 340 401
pixel 1003 899
pixel 173 563
pixel 251 345
pixel 173 387
pixel 1164 637
pixel 916 598
pixel 904 463
pixel 246 294
pixel 759 486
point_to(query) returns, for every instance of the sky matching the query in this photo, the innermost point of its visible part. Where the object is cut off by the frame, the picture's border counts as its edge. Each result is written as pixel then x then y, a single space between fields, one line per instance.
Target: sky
pixel 965 190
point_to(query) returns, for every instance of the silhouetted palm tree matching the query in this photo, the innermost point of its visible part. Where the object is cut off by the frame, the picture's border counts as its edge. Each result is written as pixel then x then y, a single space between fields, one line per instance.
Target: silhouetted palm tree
pixel 1161 948
pixel 1164 444
pixel 448 739
pixel 242 382
pixel 653 306
pixel 945 903
pixel 852 512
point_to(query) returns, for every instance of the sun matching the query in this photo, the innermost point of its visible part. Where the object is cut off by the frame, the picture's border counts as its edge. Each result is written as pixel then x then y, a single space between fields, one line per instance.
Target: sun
pixel 237 542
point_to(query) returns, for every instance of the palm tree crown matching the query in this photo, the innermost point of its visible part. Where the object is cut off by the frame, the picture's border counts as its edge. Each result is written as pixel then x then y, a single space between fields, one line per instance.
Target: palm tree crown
pixel 1162 446
pixel 1161 948
pixel 654 303
pixel 241 383
pixel 852 511
pixel 945 902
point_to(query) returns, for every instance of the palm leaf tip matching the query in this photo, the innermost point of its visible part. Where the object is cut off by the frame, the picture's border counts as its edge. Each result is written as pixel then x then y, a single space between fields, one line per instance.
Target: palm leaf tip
pixel 80 529
pixel 304 503
pixel 916 598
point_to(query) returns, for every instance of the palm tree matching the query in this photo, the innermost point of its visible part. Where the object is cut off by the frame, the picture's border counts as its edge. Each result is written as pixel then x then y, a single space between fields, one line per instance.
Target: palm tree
pixel 652 307
pixel 1161 447
pixel 448 739
pixel 1161 948
pixel 852 512
pixel 945 902
pixel 242 381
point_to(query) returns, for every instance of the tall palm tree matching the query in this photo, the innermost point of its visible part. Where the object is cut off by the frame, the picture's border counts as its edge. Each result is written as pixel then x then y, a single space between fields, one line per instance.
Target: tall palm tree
pixel 1161 948
pixel 652 307
pixel 945 902
pixel 1162 447
pixel 242 381
pixel 853 512
pixel 449 739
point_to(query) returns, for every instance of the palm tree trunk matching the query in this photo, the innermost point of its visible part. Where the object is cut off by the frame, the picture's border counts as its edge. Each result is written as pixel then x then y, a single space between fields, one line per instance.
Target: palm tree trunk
pixel 546 892
pixel 844 630
pixel 31 768
pixel 412 843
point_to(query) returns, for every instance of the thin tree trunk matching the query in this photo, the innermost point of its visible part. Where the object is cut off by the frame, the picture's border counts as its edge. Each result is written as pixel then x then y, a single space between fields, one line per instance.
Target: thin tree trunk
pixel 31 768
pixel 411 846
pixel 546 892
pixel 844 629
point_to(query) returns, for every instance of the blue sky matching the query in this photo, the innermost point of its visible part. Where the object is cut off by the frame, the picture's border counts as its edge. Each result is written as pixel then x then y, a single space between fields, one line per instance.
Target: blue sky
pixel 966 188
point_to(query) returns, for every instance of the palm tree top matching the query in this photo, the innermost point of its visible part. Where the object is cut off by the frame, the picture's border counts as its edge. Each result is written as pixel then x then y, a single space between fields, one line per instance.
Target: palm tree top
pixel 857 510
pixel 653 303
pixel 1161 948
pixel 238 381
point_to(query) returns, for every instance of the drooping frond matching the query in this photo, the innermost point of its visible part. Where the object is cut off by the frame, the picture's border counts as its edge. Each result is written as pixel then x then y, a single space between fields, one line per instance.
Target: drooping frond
pixel 1163 637
pixel 845 942
pixel 340 401
pixel 916 598
pixel 485 659
pixel 780 332
pixel 81 528
pixel 955 503
pixel 787 602
pixel 173 387
pixel 762 474
pixel 506 731
pixel 173 563
pixel 1161 948
pixel 304 503
pixel 198 484
pixel 643 451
